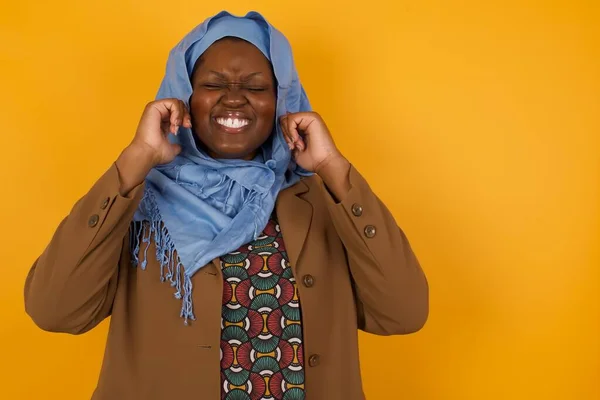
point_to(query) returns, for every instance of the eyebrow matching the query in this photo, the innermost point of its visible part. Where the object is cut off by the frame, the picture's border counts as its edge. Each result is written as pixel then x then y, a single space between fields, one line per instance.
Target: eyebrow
pixel 246 78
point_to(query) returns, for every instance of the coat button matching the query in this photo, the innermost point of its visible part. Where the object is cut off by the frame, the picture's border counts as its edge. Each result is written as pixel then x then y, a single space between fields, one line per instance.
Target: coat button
pixel 93 221
pixel 314 360
pixel 308 280
pixel 357 210
pixel 370 231
pixel 105 203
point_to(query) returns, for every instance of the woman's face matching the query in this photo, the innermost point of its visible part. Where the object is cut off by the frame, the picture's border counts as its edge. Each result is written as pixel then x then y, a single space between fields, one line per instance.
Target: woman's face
pixel 234 99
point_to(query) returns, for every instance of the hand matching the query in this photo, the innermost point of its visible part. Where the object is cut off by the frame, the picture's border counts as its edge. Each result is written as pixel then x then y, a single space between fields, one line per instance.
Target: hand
pixel 160 118
pixel 150 145
pixel 309 139
pixel 314 150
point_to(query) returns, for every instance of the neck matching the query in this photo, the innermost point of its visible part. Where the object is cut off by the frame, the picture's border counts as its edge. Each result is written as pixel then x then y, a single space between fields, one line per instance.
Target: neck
pixel 245 158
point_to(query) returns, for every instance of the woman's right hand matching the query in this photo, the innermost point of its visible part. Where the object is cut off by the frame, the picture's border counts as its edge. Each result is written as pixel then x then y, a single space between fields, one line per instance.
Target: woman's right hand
pixel 150 146
pixel 160 118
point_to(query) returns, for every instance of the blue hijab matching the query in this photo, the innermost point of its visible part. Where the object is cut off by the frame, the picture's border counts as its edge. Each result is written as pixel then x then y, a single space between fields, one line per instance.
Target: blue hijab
pixel 197 208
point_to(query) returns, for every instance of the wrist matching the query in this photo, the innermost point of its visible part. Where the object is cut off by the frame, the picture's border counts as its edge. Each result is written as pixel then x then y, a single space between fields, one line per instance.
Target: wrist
pixel 134 164
pixel 335 173
pixel 144 155
pixel 332 166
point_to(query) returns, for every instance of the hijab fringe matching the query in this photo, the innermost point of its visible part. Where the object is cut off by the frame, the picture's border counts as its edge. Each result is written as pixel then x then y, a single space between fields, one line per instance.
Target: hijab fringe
pixel 171 268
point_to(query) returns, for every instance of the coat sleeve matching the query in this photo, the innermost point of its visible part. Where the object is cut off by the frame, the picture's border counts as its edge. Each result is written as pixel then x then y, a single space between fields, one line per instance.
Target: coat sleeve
pixel 391 289
pixel 71 286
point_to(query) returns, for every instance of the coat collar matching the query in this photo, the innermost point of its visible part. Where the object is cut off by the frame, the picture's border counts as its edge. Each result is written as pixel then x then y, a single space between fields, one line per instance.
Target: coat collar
pixel 294 213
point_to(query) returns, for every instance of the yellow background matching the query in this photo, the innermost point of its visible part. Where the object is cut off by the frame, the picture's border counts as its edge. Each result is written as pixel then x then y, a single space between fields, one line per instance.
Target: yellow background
pixel 477 122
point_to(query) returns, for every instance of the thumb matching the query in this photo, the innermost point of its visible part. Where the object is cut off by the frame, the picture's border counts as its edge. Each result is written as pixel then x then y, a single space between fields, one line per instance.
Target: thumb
pixel 176 149
pixel 173 151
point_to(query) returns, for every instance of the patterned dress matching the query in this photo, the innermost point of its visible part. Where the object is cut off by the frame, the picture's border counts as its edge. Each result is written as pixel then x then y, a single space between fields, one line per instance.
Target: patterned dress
pixel 261 339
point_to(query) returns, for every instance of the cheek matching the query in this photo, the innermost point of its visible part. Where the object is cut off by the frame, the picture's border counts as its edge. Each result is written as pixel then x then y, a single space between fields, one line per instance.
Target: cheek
pixel 266 109
pixel 200 107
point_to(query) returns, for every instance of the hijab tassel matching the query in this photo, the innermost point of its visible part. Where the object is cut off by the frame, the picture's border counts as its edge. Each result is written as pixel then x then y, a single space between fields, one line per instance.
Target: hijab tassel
pixel 171 268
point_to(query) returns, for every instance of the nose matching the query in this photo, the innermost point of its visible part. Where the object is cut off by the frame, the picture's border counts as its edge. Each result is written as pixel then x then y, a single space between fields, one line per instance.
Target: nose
pixel 233 97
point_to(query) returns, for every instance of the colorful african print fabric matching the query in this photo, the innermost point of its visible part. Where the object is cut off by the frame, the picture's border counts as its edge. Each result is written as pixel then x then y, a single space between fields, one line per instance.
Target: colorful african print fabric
pixel 261 340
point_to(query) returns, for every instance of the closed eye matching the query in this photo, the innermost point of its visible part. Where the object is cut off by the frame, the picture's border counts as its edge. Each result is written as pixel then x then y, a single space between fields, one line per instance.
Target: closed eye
pixel 221 86
pixel 212 86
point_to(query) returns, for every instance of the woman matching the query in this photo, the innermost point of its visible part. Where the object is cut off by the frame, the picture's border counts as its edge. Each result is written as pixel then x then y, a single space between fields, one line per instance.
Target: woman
pixel 273 243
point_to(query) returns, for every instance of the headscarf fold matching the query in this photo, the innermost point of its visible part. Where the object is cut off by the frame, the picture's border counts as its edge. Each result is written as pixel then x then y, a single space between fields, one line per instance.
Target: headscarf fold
pixel 197 208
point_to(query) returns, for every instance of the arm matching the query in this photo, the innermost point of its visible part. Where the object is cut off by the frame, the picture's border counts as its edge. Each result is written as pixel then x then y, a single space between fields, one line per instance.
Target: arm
pixel 71 286
pixel 391 289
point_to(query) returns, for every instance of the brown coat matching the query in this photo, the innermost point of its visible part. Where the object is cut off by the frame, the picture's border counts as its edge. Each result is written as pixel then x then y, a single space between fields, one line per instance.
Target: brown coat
pixel 358 282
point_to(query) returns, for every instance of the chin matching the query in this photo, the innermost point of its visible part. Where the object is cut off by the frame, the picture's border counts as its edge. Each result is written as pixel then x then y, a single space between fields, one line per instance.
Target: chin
pixel 232 154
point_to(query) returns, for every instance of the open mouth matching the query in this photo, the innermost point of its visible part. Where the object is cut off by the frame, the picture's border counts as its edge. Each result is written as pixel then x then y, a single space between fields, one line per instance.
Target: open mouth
pixel 232 123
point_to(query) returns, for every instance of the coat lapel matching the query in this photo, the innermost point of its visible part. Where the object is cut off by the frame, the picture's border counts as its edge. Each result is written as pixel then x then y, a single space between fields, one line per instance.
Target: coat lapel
pixel 215 269
pixel 294 215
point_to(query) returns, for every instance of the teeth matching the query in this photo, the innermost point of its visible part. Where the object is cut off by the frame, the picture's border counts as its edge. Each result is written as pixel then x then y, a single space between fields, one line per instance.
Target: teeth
pixel 233 122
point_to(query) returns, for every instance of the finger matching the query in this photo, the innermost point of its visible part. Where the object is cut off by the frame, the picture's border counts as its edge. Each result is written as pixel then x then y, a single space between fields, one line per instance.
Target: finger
pixel 286 135
pixel 172 111
pixel 168 110
pixel 291 127
pixel 164 110
pixel 186 118
pixel 177 115
pixel 165 126
pixel 304 120
pixel 293 124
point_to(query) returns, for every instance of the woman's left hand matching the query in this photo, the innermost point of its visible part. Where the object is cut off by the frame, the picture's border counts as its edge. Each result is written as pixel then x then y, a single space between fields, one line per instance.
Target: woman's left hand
pixel 309 139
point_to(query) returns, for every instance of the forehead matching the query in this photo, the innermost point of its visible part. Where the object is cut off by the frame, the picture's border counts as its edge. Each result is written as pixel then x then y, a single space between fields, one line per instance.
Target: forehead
pixel 233 54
